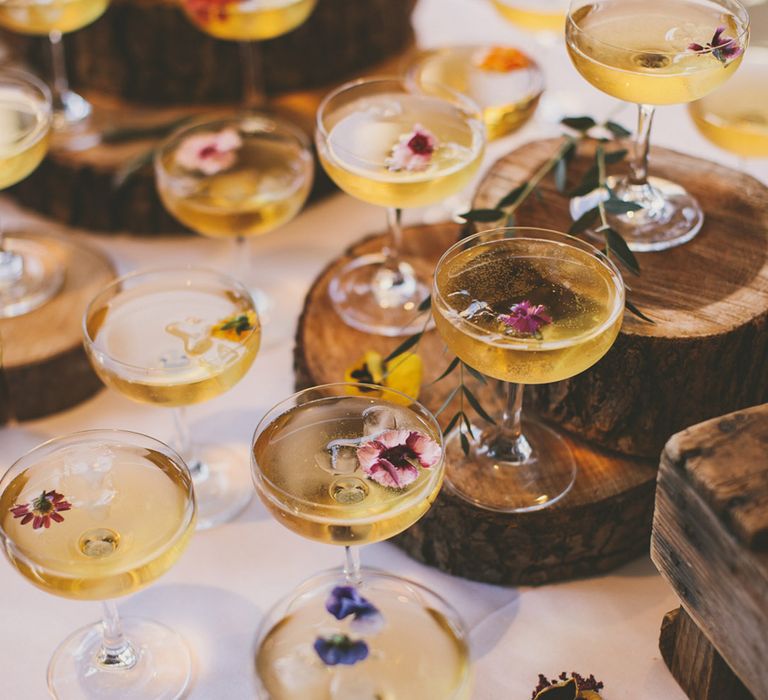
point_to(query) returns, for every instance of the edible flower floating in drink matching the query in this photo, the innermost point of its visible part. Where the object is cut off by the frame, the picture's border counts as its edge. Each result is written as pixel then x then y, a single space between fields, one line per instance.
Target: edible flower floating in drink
pixel 209 152
pixel 413 152
pixel 393 458
pixel 402 373
pixel 345 601
pixel 234 327
pixel 503 59
pixel 724 48
pixel 206 10
pixel 43 510
pixel 340 649
pixel 526 318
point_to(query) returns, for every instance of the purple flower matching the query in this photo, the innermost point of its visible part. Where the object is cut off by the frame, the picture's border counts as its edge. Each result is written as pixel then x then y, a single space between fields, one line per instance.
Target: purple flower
pixel 340 649
pixel 413 151
pixel 526 317
pixel 345 601
pixel 393 458
pixel 45 508
pixel 723 48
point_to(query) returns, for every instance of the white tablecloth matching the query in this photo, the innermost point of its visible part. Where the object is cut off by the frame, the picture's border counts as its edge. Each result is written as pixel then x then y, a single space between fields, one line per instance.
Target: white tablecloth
pixel 217 593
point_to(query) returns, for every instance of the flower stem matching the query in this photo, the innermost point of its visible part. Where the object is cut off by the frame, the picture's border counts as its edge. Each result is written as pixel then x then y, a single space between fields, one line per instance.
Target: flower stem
pixel 352 565
pixel 116 651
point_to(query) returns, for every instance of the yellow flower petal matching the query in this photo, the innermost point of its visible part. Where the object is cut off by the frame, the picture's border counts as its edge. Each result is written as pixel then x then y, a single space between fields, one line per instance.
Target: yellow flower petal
pixel 235 327
pixel 403 374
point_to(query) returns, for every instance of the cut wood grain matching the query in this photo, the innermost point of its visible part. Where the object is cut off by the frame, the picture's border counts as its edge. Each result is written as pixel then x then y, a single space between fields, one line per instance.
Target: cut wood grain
pixel 706 354
pixel 709 535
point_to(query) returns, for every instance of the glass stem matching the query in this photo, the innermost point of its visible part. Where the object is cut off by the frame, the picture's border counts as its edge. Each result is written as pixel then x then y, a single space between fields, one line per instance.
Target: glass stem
pixel 638 166
pixel 116 651
pixel 253 75
pixel 352 565
pixel 241 265
pixel 59 80
pixel 506 441
pixel 511 419
pixel 185 446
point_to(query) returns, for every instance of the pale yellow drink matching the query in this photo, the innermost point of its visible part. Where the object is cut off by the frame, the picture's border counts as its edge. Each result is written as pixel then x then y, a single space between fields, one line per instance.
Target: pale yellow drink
pixel 131 518
pixel 735 117
pixel 637 50
pixel 477 285
pixel 24 130
pixel 534 15
pixel 357 141
pixel 417 656
pixel 299 485
pixel 249 20
pixel 156 343
pixel 36 17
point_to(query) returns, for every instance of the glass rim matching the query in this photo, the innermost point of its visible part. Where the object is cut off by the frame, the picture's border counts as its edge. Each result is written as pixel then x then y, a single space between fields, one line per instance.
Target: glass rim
pixel 463 101
pixel 29 80
pixel 73 438
pixel 89 342
pixel 283 125
pixel 743 16
pixel 562 239
pixel 258 474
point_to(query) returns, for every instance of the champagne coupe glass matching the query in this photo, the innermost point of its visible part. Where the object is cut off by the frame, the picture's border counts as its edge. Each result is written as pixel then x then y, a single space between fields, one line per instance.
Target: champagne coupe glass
pixel 237 178
pixel 353 464
pixel 247 22
pixel 54 18
pixel 524 306
pixel 176 337
pixel 387 142
pixel 30 272
pixel 653 52
pixel 94 516
pixel 545 18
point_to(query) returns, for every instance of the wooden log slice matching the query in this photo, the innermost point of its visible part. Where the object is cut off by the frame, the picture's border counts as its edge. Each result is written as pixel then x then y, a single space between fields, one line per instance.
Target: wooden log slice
pixel 44 365
pixel 78 188
pixel 148 51
pixel 603 522
pixel 705 355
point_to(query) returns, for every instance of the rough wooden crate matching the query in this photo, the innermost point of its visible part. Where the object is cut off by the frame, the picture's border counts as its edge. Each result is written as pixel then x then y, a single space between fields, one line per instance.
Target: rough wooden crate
pixel 710 536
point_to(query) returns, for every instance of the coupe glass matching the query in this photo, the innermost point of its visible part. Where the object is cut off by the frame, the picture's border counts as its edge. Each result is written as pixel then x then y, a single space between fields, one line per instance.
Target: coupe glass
pixel 653 52
pixel 247 22
pixel 54 18
pixel 30 271
pixel 176 337
pixel 238 178
pixel 524 306
pixel 387 142
pixel 352 464
pixel 94 516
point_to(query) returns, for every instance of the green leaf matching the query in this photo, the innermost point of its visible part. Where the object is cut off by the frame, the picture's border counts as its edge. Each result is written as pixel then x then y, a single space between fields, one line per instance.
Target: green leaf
pixel 589 182
pixel 464 444
pixel 448 399
pixel 511 197
pixel 588 218
pixel 570 150
pixel 617 130
pixel 480 377
pixel 633 309
pixel 616 156
pixel 133 166
pixel 452 423
pixel 618 246
pixel 619 206
pixel 486 216
pixel 454 364
pixel 426 304
pixel 579 123
pixel 561 174
pixel 404 347
pixel 476 405
pixel 468 424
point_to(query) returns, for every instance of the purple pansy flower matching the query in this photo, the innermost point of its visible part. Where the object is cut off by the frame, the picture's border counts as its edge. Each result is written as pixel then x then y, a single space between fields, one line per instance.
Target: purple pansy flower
pixel 393 458
pixel 723 47
pixel 345 601
pixel 45 508
pixel 413 151
pixel 526 317
pixel 340 649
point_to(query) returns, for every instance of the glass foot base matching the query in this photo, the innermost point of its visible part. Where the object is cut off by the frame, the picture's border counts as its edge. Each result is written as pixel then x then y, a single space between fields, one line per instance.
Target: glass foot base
pixel 71 124
pixel 670 216
pixel 162 670
pixel 222 484
pixel 500 479
pixel 31 272
pixel 376 300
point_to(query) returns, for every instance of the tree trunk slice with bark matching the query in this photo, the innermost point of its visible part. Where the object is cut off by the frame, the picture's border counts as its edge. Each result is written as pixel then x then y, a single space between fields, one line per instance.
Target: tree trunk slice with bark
pixel 603 522
pixel 147 51
pixel 44 366
pixel 705 355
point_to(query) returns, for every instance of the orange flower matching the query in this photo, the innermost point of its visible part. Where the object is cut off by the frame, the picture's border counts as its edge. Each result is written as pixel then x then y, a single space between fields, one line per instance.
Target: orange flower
pixel 235 327
pixel 502 59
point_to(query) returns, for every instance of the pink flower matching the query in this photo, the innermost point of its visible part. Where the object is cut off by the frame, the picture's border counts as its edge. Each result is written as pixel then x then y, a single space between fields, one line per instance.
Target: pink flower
pixel 393 458
pixel 526 317
pixel 209 152
pixel 46 507
pixel 413 151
